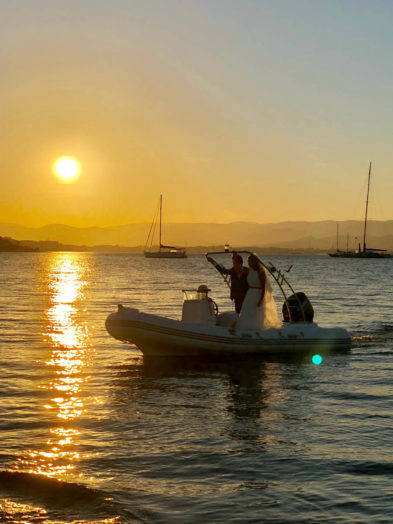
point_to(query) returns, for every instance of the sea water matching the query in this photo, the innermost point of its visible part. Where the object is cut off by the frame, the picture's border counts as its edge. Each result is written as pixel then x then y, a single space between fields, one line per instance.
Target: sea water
pixel 93 432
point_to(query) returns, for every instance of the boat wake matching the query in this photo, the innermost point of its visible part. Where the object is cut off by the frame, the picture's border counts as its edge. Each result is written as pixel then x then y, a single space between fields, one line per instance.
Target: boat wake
pixel 380 334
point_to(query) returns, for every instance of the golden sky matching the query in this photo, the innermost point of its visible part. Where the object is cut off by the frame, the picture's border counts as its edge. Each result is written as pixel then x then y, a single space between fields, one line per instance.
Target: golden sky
pixel 253 111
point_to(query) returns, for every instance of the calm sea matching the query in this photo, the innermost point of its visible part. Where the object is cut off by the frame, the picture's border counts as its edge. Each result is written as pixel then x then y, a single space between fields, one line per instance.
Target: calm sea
pixel 93 432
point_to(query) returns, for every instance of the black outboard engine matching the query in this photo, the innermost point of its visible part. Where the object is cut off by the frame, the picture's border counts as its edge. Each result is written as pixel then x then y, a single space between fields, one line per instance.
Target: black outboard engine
pixel 298 303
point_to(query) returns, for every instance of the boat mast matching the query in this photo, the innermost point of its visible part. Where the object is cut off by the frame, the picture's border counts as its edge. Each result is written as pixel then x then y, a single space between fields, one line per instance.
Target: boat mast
pixel 160 218
pixel 365 217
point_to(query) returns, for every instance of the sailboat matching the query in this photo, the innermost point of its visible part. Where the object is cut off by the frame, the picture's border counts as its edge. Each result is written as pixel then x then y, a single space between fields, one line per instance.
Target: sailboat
pixel 365 252
pixel 339 253
pixel 163 251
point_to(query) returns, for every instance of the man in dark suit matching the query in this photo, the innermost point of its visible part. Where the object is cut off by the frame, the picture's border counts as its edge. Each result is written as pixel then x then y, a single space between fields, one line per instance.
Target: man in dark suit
pixel 238 276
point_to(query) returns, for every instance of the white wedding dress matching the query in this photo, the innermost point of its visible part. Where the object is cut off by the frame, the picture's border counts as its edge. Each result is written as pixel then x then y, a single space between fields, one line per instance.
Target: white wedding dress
pixel 253 316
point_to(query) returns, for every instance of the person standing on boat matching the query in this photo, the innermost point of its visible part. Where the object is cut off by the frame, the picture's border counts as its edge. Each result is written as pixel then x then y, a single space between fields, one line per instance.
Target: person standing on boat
pixel 259 309
pixel 238 274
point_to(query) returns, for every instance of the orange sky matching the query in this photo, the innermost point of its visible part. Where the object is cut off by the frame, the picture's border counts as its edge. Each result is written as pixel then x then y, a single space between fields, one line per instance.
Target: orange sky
pixel 234 111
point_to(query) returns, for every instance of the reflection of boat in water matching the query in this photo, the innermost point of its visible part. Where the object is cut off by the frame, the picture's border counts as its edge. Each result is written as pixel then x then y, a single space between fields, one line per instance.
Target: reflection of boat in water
pixel 163 251
pixel 364 252
pixel 202 330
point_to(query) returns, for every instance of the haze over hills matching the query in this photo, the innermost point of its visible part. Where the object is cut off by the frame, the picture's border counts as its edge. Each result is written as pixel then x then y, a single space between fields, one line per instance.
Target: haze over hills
pixel 295 235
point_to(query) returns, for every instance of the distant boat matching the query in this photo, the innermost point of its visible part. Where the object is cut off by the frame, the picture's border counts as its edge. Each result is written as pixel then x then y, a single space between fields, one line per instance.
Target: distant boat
pixel 163 251
pixel 365 252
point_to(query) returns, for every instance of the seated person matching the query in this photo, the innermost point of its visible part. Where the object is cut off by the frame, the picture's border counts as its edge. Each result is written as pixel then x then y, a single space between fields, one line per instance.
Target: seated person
pixel 203 293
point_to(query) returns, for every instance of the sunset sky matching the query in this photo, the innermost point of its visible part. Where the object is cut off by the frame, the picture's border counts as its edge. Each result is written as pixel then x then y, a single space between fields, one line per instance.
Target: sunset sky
pixel 260 111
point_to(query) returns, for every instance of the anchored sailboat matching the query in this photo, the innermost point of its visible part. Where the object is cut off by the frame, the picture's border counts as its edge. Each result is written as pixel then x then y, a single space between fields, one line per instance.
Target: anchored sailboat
pixel 364 252
pixel 163 251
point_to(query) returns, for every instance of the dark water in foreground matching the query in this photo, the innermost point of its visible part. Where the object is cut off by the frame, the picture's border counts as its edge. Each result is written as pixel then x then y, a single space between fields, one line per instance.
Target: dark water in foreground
pixel 92 432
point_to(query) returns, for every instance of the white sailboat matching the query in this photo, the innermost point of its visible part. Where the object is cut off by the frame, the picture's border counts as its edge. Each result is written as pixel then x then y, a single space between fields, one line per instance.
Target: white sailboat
pixel 163 250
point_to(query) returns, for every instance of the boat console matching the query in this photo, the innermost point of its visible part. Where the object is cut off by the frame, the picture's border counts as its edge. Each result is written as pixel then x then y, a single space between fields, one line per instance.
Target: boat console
pixel 198 308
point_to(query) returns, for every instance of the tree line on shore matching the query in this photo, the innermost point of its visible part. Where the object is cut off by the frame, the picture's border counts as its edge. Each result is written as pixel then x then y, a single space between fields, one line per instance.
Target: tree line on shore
pixel 8 244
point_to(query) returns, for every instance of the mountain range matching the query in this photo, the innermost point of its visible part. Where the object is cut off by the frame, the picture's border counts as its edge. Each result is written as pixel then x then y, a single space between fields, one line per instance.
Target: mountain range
pixel 320 235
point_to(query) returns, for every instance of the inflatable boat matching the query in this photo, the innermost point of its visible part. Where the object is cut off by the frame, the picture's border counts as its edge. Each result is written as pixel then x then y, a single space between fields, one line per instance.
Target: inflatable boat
pixel 202 330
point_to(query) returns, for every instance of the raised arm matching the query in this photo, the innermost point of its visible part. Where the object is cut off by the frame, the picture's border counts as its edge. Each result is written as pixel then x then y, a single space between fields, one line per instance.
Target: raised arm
pixel 223 270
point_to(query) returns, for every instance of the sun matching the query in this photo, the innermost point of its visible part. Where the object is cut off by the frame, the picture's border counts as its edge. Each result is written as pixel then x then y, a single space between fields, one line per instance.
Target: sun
pixel 67 169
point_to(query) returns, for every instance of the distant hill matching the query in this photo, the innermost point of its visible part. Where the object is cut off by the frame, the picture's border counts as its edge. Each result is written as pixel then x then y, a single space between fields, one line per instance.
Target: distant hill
pixel 11 245
pixel 291 235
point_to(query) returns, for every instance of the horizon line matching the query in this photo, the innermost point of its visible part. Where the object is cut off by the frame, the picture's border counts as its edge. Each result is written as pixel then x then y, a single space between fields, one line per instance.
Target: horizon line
pixel 57 224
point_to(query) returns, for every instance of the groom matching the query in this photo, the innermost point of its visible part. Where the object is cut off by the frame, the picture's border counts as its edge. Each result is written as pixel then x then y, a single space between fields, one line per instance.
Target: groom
pixel 239 283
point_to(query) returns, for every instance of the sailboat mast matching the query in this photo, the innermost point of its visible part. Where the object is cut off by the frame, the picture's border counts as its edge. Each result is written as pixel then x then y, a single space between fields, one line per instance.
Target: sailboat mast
pixel 160 217
pixel 365 217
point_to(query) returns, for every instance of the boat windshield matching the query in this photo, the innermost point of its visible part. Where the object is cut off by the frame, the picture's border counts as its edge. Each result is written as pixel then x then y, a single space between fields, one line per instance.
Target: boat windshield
pixel 192 294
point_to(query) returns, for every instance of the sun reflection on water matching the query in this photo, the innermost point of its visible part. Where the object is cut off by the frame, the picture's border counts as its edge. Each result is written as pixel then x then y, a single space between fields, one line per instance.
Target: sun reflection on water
pixel 66 277
pixel 17 512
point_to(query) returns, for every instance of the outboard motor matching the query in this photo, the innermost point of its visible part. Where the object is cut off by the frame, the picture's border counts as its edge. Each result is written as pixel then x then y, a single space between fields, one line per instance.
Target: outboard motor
pixel 297 303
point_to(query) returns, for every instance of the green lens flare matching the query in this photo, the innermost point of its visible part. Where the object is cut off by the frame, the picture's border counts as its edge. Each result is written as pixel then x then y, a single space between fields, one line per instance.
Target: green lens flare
pixel 317 359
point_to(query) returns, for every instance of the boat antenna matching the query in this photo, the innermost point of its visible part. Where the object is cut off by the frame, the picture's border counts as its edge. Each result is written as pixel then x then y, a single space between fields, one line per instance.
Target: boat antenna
pixel 160 218
pixel 365 217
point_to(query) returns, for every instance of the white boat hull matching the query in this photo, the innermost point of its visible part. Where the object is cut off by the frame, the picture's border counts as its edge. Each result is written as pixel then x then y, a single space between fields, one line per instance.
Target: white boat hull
pixel 165 254
pixel 160 336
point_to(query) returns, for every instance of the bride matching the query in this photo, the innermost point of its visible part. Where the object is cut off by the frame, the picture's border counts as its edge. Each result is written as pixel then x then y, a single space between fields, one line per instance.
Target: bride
pixel 259 308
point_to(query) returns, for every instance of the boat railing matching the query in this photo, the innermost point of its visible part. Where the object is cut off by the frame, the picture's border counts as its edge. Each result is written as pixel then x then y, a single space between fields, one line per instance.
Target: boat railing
pixel 278 276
